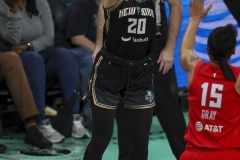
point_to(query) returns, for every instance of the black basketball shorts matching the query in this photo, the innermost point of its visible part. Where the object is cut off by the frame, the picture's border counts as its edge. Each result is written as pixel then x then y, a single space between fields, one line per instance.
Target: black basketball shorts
pixel 114 79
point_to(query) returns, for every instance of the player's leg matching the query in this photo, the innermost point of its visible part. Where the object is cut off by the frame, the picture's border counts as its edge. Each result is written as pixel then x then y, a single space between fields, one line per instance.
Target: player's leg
pixel 124 140
pixel 104 103
pixel 140 121
pixel 103 122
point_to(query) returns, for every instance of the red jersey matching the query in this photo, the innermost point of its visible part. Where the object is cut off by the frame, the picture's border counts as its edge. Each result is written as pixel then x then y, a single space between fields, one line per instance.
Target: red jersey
pixel 214 109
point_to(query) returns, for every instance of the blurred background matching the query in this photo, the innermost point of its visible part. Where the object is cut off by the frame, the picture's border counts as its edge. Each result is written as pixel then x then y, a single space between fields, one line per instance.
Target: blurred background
pixel 222 13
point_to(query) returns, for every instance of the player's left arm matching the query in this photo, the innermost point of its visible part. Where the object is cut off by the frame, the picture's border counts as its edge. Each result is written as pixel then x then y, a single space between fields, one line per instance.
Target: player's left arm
pixel 166 56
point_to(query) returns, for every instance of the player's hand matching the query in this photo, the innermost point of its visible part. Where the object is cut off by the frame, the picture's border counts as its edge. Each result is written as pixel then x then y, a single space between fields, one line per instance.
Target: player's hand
pixel 165 60
pixel 95 52
pixel 197 10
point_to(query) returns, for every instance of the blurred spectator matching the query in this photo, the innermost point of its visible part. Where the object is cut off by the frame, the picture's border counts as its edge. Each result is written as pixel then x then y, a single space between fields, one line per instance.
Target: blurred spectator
pixel 27 28
pixel 78 33
pixel 12 71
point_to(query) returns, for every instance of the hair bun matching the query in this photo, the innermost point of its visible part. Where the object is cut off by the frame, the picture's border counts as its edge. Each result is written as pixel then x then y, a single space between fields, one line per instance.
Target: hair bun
pixel 231 30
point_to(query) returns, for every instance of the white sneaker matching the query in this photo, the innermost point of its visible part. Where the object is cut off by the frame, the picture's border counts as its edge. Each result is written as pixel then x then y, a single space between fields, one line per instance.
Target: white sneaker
pixel 78 131
pixel 49 132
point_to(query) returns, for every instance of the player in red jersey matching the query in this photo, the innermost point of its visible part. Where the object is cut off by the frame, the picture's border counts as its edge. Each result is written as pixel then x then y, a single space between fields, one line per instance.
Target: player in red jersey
pixel 213 131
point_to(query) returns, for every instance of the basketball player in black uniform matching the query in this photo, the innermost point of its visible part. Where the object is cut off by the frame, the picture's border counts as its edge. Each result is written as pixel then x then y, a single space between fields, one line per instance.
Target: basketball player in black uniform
pixel 166 109
pixel 123 70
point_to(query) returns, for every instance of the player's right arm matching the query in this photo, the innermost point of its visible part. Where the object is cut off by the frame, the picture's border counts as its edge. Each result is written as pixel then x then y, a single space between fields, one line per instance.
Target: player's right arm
pixel 100 25
pixel 109 3
pixel 187 58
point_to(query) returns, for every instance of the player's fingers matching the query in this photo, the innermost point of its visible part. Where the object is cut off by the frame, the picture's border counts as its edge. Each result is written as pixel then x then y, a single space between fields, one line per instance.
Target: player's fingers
pixel 166 67
pixel 171 65
pixel 161 66
pixel 159 59
pixel 208 8
pixel 93 57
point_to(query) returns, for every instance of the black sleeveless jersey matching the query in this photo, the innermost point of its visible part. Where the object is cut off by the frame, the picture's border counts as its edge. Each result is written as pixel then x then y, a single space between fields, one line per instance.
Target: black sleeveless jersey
pixel 130 28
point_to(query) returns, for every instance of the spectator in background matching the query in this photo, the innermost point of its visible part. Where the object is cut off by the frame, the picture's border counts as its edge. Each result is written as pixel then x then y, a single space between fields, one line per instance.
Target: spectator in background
pixel 27 28
pixel 12 72
pixel 78 33
pixel 213 92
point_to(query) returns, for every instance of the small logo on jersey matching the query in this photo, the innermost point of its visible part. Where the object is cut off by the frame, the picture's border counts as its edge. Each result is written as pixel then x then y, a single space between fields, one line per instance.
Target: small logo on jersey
pixel 213 128
pixel 126 39
pixel 214 75
pixel 140 39
pixel 149 97
pixel 199 126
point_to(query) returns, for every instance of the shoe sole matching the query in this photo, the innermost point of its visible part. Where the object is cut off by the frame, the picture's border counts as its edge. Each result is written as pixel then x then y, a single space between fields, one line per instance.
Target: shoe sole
pixel 83 137
pixel 41 147
pixel 30 141
pixel 56 141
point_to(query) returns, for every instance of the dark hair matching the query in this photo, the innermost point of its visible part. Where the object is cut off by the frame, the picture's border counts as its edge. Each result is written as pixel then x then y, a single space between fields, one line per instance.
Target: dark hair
pixel 221 43
pixel 31 8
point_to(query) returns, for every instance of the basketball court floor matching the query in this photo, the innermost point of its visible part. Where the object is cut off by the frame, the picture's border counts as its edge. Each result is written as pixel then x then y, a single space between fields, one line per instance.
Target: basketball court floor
pixel 73 149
